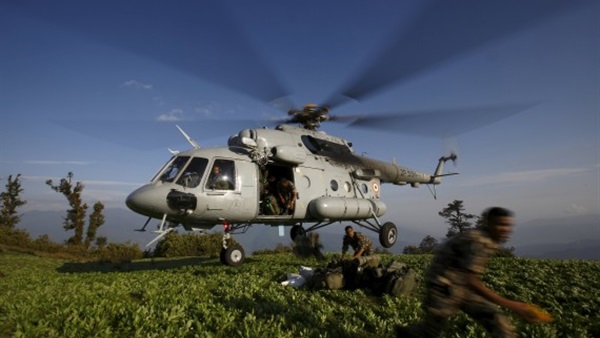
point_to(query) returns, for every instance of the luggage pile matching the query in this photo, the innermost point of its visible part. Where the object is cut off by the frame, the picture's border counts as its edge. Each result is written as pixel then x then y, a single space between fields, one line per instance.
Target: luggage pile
pixel 367 272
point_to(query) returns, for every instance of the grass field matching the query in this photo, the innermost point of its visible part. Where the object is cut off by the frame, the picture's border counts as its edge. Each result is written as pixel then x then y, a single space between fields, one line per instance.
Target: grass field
pixel 199 297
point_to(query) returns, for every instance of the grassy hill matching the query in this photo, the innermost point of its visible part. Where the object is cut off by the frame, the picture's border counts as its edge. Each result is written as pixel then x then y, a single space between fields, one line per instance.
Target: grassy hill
pixel 188 297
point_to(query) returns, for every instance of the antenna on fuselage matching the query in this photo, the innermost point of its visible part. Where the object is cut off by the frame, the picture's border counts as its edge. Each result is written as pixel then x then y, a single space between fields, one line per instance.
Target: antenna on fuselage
pixel 188 138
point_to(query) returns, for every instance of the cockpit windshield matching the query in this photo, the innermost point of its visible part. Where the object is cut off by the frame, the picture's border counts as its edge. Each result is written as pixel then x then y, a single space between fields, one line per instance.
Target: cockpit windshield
pixel 183 171
pixel 172 170
pixel 192 175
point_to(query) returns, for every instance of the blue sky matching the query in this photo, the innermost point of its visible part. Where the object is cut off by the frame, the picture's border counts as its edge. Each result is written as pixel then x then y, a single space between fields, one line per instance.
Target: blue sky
pixel 84 87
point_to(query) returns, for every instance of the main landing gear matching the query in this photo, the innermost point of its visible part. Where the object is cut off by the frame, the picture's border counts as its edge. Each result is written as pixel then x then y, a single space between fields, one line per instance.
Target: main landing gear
pixel 388 234
pixel 233 254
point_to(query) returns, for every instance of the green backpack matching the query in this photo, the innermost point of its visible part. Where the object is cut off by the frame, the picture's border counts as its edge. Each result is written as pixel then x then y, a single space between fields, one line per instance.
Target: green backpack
pixel 400 279
pixel 326 279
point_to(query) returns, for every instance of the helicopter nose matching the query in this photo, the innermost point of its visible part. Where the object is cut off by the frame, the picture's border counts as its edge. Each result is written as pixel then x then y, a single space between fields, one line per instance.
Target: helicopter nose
pixel 147 200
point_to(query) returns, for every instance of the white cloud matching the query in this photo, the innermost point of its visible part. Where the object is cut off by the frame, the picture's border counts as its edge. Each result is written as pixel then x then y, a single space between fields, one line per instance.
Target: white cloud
pixel 525 176
pixel 173 115
pixel 208 110
pixel 136 85
pixel 576 209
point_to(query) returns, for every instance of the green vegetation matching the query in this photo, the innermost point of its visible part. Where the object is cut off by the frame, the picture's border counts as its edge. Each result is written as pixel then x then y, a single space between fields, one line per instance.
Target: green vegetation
pixel 199 297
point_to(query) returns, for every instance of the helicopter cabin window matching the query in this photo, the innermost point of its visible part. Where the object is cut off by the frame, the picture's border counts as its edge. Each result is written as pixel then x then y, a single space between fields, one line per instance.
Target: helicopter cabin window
pixel 172 171
pixel 193 173
pixel 222 176
pixel 347 186
pixel 334 185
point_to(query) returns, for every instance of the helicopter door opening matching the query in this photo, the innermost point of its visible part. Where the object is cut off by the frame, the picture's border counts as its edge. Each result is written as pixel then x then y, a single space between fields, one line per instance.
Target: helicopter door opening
pixel 278 192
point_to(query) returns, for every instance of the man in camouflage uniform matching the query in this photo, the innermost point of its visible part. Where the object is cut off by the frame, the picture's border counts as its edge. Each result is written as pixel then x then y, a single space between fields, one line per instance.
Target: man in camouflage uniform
pixel 453 282
pixel 286 196
pixel 361 244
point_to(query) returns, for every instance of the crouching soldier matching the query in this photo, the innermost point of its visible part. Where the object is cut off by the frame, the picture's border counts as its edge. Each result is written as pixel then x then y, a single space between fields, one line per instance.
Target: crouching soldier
pixel 361 244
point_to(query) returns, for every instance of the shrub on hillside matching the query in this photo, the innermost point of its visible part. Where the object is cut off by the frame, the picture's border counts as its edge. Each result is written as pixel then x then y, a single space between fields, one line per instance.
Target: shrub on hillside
pixel 14 237
pixel 119 253
pixel 177 245
pixel 43 243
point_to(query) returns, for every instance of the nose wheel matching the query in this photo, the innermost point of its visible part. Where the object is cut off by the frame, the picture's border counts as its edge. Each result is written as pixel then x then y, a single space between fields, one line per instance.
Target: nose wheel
pixel 232 254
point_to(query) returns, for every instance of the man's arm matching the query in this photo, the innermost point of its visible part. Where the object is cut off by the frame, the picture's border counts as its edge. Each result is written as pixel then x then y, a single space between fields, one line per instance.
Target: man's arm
pixel 521 309
pixel 359 252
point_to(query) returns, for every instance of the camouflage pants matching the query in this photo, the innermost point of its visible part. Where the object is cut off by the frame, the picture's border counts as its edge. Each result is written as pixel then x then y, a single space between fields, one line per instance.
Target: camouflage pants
pixel 442 303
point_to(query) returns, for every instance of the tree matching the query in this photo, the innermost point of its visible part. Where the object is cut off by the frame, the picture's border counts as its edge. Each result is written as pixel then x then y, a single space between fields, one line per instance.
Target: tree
pixel 101 241
pixel 455 216
pixel 428 245
pixel 11 200
pixel 96 220
pixel 480 221
pixel 75 219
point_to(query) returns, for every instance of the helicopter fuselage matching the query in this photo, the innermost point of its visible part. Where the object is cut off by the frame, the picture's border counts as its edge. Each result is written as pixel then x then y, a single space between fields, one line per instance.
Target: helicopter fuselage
pixel 331 182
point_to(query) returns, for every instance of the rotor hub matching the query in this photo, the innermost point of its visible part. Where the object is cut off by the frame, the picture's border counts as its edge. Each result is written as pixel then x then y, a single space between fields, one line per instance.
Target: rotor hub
pixel 309 117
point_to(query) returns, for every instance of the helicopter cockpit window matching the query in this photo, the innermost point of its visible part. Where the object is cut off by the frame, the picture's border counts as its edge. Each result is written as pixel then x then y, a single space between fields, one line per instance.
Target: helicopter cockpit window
pixel 222 176
pixel 192 175
pixel 311 144
pixel 171 172
pixel 318 146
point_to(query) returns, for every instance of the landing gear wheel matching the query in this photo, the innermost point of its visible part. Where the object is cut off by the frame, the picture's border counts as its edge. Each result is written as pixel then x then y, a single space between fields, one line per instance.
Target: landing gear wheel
pixel 388 235
pixel 297 230
pixel 233 256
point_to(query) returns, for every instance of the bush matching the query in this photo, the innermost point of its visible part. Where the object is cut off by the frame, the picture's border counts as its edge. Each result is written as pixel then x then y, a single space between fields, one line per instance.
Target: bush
pixel 119 253
pixel 176 245
pixel 14 237
pixel 43 243
pixel 505 252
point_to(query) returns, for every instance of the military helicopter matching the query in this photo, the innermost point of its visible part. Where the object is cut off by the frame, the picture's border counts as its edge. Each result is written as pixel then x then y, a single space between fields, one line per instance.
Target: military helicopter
pixel 231 185
pixel 332 183
pixel 204 187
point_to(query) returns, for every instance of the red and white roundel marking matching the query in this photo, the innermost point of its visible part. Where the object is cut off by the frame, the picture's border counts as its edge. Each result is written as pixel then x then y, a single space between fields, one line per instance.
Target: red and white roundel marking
pixel 375 187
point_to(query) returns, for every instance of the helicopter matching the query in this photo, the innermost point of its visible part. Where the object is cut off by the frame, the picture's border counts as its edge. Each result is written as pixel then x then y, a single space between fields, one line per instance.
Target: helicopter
pixel 331 184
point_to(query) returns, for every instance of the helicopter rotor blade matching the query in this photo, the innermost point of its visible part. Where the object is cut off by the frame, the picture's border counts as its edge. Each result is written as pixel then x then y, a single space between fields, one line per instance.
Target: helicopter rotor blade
pixel 149 135
pixel 440 123
pixel 185 40
pixel 466 25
